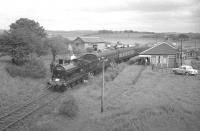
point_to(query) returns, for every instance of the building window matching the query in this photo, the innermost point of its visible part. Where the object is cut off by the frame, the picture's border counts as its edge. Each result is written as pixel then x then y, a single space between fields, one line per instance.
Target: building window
pixel 60 61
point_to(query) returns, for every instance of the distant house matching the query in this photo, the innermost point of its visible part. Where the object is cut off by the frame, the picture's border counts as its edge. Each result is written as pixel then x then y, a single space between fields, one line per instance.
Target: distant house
pixel 191 53
pixel 89 42
pixel 162 55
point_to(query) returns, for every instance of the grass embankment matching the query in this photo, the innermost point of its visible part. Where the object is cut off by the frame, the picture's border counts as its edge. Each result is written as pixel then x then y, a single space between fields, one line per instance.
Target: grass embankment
pixel 157 101
pixel 69 109
pixel 64 109
pixel 17 90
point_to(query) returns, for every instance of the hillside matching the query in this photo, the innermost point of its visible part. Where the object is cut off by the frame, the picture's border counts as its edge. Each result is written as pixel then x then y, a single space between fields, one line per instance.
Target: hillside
pixel 131 37
pixel 126 37
pixel 70 34
pixel 136 37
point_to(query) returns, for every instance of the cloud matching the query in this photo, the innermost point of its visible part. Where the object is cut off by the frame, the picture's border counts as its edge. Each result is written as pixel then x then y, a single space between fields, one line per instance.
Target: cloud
pixel 149 15
pixel 139 5
pixel 154 6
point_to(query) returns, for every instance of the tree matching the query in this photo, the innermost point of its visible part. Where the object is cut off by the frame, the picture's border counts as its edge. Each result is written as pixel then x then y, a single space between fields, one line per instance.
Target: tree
pixel 28 25
pixel 173 37
pixel 182 37
pixel 57 45
pixel 197 40
pixel 3 40
pixel 24 38
pixel 128 31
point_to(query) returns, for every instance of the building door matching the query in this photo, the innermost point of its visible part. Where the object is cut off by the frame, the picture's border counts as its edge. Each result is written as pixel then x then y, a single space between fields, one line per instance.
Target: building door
pixel 95 47
pixel 171 61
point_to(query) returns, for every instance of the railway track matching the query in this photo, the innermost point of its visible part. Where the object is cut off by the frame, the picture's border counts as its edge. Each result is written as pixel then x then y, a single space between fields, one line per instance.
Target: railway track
pixel 16 106
pixel 11 118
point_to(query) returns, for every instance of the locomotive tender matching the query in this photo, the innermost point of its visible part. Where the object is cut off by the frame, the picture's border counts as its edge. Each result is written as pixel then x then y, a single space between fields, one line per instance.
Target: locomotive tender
pixel 67 74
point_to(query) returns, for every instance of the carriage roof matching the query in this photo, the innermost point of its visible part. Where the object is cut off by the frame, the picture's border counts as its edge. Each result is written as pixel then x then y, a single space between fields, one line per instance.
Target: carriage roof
pixel 96 56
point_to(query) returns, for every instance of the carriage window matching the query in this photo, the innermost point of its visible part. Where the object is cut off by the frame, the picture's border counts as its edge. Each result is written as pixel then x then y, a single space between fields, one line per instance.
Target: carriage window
pixel 60 61
pixel 67 61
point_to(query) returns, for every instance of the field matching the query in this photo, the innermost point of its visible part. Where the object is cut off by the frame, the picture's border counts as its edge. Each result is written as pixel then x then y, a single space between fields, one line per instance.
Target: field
pixel 140 38
pixel 138 99
pixel 143 38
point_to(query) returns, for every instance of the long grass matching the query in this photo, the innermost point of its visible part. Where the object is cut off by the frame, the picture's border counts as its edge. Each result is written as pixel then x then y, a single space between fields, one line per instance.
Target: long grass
pixel 45 127
pixel 17 90
pixel 195 64
pixel 68 107
pixel 32 69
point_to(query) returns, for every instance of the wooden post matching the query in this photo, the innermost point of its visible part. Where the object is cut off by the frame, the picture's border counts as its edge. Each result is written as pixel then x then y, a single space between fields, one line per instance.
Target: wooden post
pixel 102 90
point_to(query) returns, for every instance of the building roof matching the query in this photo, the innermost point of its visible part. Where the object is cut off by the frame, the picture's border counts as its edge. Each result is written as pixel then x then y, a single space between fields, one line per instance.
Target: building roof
pixel 160 49
pixel 91 39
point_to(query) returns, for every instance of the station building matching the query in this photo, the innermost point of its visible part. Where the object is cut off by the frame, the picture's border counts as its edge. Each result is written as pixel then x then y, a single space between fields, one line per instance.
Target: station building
pixel 90 42
pixel 161 55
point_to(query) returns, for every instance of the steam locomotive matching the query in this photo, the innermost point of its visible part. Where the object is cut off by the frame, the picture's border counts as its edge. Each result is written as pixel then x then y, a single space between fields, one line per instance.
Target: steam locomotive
pixel 66 74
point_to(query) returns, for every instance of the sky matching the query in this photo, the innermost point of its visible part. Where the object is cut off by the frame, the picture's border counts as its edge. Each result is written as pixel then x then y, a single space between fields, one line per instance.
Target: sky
pixel 137 15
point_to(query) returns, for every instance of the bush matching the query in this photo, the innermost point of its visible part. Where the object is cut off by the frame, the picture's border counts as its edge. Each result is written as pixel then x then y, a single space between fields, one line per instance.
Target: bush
pixel 121 67
pixel 195 64
pixel 33 69
pixel 68 107
pixel 132 61
pixel 111 73
pixel 107 77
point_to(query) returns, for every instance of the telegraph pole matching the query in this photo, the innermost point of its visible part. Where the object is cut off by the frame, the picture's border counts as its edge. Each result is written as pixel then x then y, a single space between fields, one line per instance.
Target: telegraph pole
pixel 181 52
pixel 102 89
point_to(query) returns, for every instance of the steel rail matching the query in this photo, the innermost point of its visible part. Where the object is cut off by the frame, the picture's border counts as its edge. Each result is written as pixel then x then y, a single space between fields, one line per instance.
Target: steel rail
pixel 26 104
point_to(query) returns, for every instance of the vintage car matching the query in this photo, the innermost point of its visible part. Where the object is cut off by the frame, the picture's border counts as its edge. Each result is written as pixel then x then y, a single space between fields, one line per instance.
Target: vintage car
pixel 186 70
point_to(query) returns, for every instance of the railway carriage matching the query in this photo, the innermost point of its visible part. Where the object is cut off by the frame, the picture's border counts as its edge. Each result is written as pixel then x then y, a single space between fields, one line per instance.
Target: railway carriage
pixel 77 70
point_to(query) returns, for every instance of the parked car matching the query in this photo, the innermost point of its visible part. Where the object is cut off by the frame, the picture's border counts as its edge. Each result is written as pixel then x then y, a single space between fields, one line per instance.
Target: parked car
pixel 186 70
